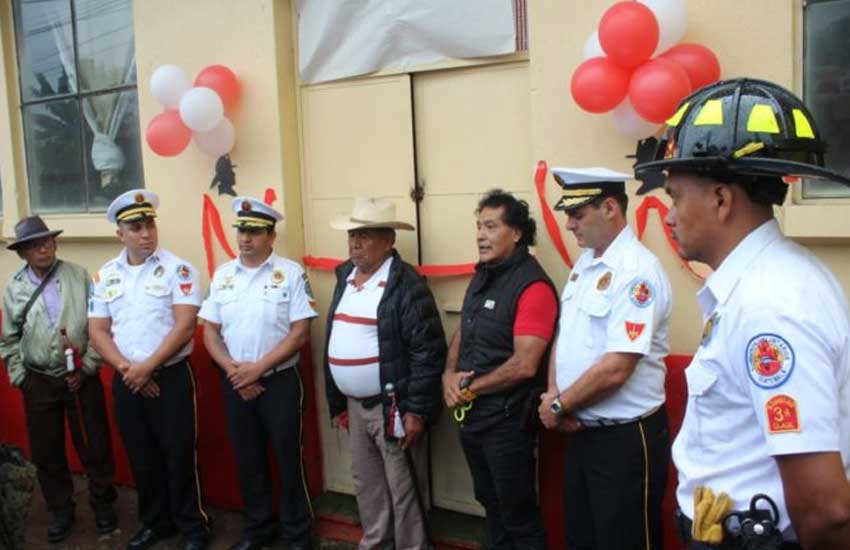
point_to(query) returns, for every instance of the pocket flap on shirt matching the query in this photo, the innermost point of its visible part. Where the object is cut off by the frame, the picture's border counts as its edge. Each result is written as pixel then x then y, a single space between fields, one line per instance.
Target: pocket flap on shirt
pixel 595 305
pixel 276 295
pixel 700 378
pixel 157 289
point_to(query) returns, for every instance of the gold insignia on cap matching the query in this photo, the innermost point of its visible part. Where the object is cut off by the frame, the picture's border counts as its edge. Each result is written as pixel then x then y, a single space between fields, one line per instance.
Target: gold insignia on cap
pixel 140 197
pixel 246 206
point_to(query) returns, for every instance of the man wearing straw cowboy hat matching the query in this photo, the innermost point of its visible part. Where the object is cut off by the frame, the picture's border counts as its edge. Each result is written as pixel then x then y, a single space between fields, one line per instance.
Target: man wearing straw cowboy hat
pixel 44 312
pixel 257 320
pixel 384 356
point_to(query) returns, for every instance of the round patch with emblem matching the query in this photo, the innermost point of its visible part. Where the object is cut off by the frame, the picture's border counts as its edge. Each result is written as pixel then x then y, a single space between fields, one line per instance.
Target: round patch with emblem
pixel 184 272
pixel 277 276
pixel 246 206
pixel 604 281
pixel 641 293
pixel 770 360
pixel 159 271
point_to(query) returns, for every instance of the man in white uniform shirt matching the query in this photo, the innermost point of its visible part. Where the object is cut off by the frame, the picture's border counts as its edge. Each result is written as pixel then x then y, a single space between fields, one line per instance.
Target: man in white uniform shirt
pixel 769 387
pixel 606 377
pixel 142 318
pixel 257 319
pixel 385 352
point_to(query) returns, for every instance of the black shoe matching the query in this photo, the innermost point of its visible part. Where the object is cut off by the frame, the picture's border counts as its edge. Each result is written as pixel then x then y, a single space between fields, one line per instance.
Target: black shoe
pixel 60 525
pixel 198 542
pixel 253 543
pixel 147 537
pixel 105 521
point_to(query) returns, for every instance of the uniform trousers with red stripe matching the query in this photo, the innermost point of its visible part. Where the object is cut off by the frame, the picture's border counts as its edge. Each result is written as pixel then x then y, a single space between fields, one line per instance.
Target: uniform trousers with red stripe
pixel 272 419
pixel 160 437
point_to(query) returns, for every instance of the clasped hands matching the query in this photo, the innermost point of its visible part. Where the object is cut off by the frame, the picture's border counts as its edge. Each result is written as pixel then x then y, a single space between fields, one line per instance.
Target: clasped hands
pixel 565 423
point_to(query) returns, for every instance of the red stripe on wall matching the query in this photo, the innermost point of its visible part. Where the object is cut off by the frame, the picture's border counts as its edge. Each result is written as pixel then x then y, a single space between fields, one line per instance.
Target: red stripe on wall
pixel 336 362
pixel 355 320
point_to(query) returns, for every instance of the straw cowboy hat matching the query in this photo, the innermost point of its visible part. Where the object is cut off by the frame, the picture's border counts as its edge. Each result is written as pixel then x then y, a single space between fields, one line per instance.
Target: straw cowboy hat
pixel 30 229
pixel 370 214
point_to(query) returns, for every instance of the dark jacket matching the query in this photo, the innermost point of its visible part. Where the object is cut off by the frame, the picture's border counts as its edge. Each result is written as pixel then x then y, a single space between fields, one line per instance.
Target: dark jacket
pixel 411 341
pixel 487 339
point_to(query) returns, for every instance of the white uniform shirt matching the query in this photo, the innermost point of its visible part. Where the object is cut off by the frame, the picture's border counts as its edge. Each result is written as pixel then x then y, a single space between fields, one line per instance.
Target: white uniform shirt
pixel 353 347
pixel 618 302
pixel 138 299
pixel 771 376
pixel 256 307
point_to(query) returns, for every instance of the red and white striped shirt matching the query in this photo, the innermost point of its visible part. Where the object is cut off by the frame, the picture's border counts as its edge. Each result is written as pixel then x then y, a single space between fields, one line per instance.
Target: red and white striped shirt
pixel 353 347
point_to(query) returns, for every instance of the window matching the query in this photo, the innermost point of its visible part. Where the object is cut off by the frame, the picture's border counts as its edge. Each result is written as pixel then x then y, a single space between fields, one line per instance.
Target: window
pixel 77 67
pixel 826 86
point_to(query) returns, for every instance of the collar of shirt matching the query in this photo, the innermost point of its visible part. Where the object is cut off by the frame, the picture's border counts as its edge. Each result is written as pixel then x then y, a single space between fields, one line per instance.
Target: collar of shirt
pixel 237 265
pixel 379 276
pixel 153 258
pixel 618 253
pixel 720 284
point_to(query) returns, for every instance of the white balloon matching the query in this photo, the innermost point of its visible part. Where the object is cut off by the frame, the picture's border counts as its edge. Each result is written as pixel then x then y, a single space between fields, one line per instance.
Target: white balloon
pixel 168 84
pixel 672 16
pixel 630 124
pixel 218 141
pixel 201 109
pixel 592 47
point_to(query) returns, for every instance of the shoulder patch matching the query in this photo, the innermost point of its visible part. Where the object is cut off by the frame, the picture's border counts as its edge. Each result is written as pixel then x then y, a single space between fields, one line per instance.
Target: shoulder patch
pixel 770 360
pixel 641 293
pixel 782 414
pixel 184 272
pixel 634 330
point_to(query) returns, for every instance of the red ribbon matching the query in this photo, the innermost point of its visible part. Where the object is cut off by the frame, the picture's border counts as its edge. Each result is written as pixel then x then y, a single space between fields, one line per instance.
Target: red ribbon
pixel 641 214
pixel 548 217
pixel 329 264
pixel 211 220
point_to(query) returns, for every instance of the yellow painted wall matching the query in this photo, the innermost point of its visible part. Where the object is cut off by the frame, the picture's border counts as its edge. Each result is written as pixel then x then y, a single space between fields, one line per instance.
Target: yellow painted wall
pixel 254 39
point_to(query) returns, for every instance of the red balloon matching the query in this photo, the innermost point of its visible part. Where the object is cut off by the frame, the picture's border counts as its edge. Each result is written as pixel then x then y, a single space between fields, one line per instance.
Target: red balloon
pixel 167 135
pixel 628 33
pixel 699 62
pixel 598 85
pixel 222 80
pixel 656 89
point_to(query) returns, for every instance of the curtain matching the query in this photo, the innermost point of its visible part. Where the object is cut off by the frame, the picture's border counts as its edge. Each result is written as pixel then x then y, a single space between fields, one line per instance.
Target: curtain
pixel 107 59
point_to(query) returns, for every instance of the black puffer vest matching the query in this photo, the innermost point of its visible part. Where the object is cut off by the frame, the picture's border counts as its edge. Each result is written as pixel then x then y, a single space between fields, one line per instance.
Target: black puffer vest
pixel 487 333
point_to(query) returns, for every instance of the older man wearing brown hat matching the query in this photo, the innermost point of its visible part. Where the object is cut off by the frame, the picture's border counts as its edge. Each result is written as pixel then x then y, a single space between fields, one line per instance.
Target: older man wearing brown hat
pixel 385 351
pixel 45 350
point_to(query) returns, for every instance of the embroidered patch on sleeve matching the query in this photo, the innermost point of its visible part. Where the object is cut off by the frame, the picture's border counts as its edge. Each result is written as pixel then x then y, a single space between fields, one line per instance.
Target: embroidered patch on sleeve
pixel 186 288
pixel 782 415
pixel 634 330
pixel 770 360
pixel 184 272
pixel 641 293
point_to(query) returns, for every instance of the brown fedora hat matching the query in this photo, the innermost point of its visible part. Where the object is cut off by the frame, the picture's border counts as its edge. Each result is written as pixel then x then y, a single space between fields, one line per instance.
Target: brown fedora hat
pixel 30 229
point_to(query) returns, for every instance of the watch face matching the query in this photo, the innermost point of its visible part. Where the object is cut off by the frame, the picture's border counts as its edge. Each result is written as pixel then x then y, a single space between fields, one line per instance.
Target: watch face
pixel 555 407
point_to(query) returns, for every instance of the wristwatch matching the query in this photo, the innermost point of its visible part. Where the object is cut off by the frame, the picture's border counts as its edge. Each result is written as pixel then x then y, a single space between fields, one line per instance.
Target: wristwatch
pixel 556 407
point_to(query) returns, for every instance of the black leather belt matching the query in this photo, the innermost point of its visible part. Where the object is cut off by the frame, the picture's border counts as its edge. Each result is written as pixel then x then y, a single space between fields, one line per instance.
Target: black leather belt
pixel 370 402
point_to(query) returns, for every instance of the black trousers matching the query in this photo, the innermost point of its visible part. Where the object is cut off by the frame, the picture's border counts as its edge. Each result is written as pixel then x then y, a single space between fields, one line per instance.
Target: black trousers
pixel 160 437
pixel 501 460
pixel 47 403
pixel 273 418
pixel 614 482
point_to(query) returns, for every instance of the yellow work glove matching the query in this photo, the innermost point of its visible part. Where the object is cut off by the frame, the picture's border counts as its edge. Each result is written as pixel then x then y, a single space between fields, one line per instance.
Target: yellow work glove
pixel 709 513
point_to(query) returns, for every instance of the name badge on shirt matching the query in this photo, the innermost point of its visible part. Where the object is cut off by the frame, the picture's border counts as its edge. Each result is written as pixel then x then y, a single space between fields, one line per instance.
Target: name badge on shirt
pixel 112 287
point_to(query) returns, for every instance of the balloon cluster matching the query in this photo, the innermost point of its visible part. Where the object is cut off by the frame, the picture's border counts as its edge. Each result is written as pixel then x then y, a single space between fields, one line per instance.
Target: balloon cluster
pixel 634 67
pixel 192 111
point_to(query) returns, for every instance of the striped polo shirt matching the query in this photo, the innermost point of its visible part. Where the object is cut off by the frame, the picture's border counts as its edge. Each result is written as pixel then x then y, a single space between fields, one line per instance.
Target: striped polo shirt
pixel 353 347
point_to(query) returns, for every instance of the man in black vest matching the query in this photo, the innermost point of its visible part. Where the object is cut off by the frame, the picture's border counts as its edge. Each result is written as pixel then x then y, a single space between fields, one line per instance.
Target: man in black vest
pixel 493 372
